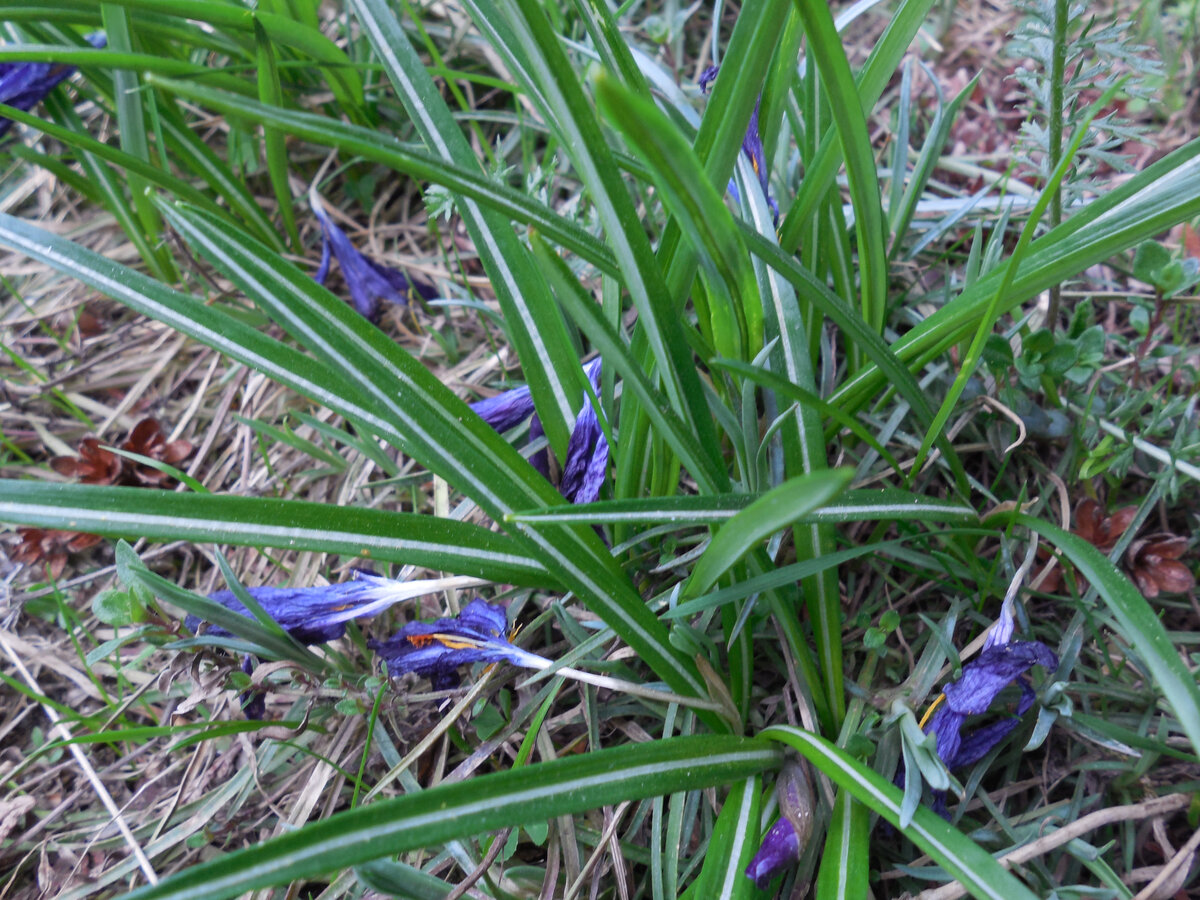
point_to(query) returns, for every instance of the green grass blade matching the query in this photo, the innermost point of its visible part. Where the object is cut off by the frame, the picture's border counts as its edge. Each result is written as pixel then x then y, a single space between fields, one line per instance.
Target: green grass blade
pixel 107 183
pixel 270 92
pixel 991 313
pixel 574 121
pixel 951 849
pixel 870 343
pixel 151 174
pixel 1163 195
pixel 807 399
pixel 534 321
pixel 589 318
pixel 439 544
pixel 886 504
pixel 131 126
pixel 845 863
pixel 1138 620
pixel 339 72
pixel 821 169
pixel 386 150
pixel 531 794
pixel 731 846
pixel 698 209
pixel 778 508
pixel 825 47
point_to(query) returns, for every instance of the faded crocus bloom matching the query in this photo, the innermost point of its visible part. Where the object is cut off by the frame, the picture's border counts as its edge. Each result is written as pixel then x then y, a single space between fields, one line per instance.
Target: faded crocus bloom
pixel 586 465
pixel 784 841
pixel 780 848
pixel 982 680
pixel 437 649
pixel 315 615
pixel 25 84
pixel 368 281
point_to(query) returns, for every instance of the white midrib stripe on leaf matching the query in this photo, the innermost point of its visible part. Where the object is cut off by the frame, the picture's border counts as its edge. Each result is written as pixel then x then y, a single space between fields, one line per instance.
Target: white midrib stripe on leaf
pixel 887 510
pixel 287 536
pixel 433 135
pixel 465 811
pixel 732 869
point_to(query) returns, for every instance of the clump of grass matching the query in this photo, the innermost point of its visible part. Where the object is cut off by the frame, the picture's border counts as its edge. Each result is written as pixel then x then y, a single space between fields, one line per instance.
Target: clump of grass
pixel 828 449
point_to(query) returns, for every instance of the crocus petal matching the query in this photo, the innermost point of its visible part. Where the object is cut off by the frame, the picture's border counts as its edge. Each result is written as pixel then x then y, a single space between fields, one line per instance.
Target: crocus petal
pixel 367 280
pixel 506 410
pixel 979 743
pixel 994 670
pixel 586 465
pixel 982 680
pixel 314 615
pixel 587 458
pixel 437 649
pixel 752 146
pixel 587 451
pixel 780 848
pixel 25 84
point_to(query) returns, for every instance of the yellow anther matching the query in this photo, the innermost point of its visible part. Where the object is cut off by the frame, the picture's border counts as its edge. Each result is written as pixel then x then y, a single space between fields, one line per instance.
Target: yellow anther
pixel 929 712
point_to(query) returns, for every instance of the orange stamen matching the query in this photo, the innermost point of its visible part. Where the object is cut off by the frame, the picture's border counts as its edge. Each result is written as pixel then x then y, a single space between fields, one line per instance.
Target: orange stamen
pixel 929 712
pixel 449 641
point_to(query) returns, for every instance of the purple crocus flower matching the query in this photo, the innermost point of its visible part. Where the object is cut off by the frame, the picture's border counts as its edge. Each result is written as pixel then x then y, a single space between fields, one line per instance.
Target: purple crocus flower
pixel 314 615
pixel 367 280
pixel 587 451
pixel 752 146
pixel 507 410
pixel 784 841
pixel 982 680
pixel 25 84
pixel 780 848
pixel 436 649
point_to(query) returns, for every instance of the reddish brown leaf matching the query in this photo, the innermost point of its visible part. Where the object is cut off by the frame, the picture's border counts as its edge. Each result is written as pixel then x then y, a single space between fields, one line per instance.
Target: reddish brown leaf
pixel 147 439
pixel 51 547
pixel 94 465
pixel 1154 563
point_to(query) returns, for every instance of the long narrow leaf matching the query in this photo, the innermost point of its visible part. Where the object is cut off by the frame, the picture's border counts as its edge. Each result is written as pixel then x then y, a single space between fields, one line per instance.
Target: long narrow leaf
pixel 776 509
pixel 534 321
pixel 529 795
pixel 407 538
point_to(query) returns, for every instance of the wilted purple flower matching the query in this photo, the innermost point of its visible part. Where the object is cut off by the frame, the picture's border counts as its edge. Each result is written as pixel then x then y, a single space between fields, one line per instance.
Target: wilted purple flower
pixel 368 281
pixel 587 457
pixel 314 615
pixel 25 84
pixel 506 410
pixel 780 848
pixel 752 146
pixel 784 841
pixel 587 451
pixel 982 680
pixel 437 649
